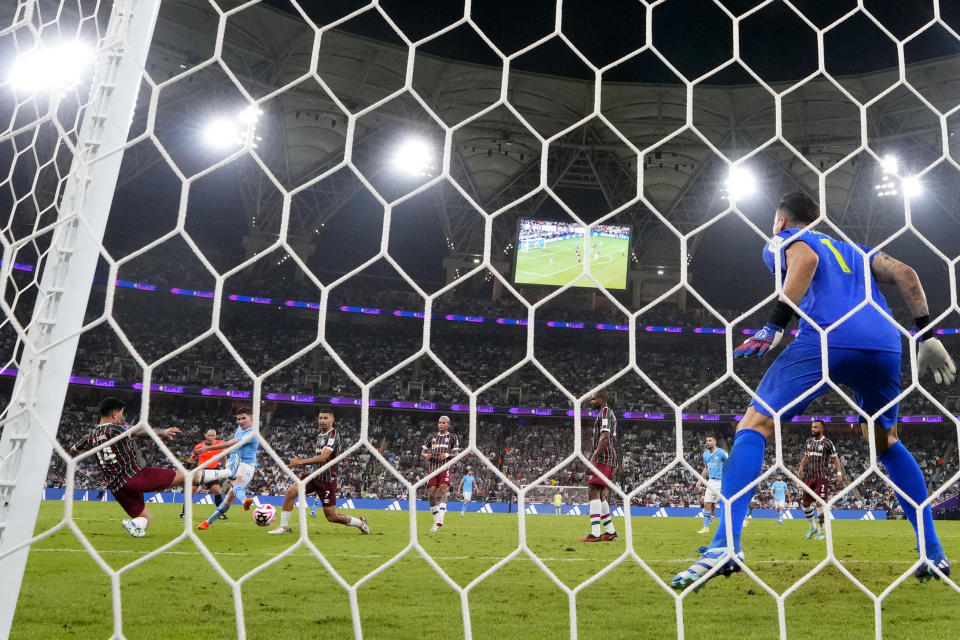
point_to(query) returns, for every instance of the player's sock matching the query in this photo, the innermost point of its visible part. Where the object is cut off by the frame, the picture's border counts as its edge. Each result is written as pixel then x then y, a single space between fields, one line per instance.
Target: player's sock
pixel 317 503
pixel 605 520
pixel 436 514
pixel 811 514
pixel 141 522
pixel 285 519
pixel 463 508
pixel 595 509
pixel 906 474
pixel 743 467
pixel 217 499
pixel 218 513
pixel 707 519
pixel 240 492
pixel 209 475
pixel 355 522
pixel 443 511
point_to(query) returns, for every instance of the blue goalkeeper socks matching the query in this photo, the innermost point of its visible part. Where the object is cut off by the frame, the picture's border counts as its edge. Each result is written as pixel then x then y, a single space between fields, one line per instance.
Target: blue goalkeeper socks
pixel 905 473
pixel 742 468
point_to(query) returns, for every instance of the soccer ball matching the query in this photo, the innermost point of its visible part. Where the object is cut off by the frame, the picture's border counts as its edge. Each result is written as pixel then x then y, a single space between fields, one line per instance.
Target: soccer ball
pixel 264 515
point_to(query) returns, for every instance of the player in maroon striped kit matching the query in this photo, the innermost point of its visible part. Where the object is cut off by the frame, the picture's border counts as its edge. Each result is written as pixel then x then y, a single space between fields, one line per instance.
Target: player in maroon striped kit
pixel 606 460
pixel 819 452
pixel 123 467
pixel 324 484
pixel 435 451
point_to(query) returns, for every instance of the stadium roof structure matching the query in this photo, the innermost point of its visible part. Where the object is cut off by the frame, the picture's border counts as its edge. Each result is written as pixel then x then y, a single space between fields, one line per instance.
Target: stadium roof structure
pixel 656 144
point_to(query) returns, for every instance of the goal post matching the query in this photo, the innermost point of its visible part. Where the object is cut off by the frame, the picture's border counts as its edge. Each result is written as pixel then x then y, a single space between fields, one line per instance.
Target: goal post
pixel 33 415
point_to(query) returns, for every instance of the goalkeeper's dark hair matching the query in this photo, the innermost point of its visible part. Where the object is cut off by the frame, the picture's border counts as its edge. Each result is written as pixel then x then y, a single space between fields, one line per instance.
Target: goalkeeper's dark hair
pixel 799 208
pixel 110 404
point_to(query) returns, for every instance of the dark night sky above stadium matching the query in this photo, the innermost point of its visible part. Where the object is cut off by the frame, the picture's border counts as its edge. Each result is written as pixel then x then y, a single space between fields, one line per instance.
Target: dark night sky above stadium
pixel 695 34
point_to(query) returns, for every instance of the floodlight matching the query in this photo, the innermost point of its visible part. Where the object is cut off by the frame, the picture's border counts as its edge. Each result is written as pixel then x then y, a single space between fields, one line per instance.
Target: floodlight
pixel 912 187
pixel 222 132
pixel 889 164
pixel 50 68
pixel 740 183
pixel 413 157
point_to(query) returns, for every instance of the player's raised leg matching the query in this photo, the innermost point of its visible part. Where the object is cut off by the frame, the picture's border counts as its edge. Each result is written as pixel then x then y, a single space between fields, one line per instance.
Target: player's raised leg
pixel 153 479
pixel 238 493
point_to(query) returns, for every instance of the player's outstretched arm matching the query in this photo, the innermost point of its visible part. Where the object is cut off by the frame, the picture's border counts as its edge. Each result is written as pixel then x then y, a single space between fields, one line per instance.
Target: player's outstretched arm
pixel 216 447
pixel 142 432
pixel 931 356
pixel 801 265
pixel 321 458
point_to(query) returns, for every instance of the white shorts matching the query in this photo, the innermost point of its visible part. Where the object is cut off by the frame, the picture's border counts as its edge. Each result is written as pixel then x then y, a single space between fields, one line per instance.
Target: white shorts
pixel 779 504
pixel 712 493
pixel 467 495
pixel 244 471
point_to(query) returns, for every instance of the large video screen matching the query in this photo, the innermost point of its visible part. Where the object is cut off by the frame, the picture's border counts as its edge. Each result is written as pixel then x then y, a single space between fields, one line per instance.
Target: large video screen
pixel 552 253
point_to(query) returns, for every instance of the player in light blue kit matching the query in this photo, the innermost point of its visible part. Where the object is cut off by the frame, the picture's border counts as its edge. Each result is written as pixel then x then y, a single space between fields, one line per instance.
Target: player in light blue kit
pixel 466 490
pixel 827 279
pixel 713 461
pixel 779 492
pixel 243 462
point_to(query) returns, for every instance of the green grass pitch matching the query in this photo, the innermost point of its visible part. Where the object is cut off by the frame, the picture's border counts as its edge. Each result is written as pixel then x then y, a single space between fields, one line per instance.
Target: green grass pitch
pixel 534 266
pixel 177 594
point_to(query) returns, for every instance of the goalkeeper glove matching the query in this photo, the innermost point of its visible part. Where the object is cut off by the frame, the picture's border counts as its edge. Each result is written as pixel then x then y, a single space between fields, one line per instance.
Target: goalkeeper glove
pixel 932 356
pixel 759 343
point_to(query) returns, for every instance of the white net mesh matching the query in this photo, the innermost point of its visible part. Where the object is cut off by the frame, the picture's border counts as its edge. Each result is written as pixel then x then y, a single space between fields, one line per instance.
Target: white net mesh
pixel 305 116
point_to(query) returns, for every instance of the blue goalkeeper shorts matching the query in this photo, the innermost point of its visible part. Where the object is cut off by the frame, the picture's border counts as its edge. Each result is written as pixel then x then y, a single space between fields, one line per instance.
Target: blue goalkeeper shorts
pixel 874 377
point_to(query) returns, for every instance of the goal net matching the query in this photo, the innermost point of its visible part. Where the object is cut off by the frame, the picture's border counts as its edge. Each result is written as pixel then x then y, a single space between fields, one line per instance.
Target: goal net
pixel 481 216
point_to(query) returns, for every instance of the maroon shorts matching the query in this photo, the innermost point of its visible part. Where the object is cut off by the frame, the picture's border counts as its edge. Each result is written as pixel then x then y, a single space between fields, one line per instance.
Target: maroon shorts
pixel 130 495
pixel 439 479
pixel 820 486
pixel 326 491
pixel 607 472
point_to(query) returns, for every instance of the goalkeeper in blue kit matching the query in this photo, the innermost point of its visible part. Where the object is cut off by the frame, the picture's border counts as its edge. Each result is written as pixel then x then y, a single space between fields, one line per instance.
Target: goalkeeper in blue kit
pixel 826 279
